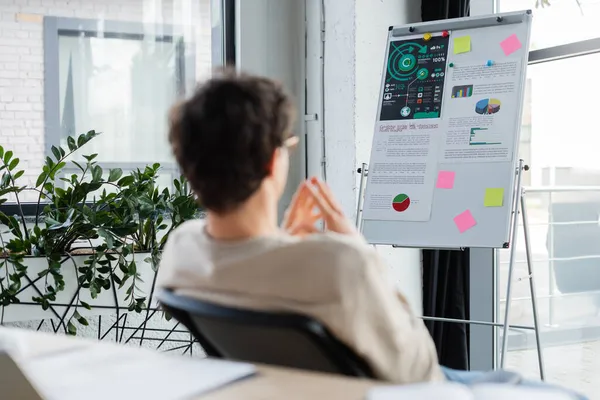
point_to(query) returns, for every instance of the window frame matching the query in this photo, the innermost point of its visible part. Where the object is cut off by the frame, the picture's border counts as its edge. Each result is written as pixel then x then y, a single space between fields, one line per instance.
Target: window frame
pixel 55 27
pixel 223 52
pixel 544 55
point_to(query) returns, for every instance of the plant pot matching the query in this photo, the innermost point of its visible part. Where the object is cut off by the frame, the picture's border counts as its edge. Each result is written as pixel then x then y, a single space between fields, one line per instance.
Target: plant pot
pixel 67 301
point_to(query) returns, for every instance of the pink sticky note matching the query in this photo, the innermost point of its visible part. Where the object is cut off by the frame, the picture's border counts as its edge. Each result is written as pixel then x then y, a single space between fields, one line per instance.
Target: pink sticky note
pixel 464 221
pixel 445 180
pixel 510 44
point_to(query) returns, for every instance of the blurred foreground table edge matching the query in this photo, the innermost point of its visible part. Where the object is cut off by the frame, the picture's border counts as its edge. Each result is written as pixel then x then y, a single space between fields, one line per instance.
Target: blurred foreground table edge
pixel 269 383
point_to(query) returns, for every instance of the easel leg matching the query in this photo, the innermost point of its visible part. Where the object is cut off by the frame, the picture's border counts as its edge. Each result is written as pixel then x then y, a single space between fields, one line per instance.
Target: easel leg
pixel 511 264
pixel 522 209
pixel 536 323
pixel 507 306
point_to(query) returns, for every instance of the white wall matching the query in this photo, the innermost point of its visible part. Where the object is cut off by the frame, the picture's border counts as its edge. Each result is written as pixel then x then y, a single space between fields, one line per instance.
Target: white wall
pixel 270 42
pixel 355 42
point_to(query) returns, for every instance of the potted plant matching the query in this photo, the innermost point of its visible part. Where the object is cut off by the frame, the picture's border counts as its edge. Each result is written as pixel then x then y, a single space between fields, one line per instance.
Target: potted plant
pixel 93 243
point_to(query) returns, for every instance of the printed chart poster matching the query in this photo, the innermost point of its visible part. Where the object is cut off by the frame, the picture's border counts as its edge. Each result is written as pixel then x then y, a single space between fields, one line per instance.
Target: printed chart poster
pixel 402 171
pixel 483 109
pixel 414 79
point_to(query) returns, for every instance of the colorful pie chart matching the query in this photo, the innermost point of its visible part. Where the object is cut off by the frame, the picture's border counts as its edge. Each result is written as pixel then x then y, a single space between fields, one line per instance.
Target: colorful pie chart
pixel 401 203
pixel 487 106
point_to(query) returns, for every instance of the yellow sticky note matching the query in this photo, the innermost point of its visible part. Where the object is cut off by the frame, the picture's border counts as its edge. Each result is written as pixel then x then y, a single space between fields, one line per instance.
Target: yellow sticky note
pixel 494 197
pixel 462 44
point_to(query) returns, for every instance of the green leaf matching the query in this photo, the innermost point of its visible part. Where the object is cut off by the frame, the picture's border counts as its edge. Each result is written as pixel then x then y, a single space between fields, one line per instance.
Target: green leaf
pixel 108 237
pixel 132 268
pixel 52 221
pixel 78 165
pixel 96 173
pixel 41 179
pixel 7 156
pixel 115 174
pixel 85 305
pixel 104 270
pixel 71 329
pixel 91 157
pixel 60 192
pixel 123 268
pixel 18 174
pixel 71 143
pixel 126 181
pixel 60 166
pixel 49 162
pixel 1 151
pixel 56 153
pixel 13 164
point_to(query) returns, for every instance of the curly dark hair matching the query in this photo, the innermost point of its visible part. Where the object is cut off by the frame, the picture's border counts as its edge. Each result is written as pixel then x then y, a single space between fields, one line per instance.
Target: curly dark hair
pixel 225 135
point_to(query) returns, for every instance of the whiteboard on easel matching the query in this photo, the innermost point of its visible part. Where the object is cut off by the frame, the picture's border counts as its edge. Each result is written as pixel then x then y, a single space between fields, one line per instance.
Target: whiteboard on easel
pixel 442 172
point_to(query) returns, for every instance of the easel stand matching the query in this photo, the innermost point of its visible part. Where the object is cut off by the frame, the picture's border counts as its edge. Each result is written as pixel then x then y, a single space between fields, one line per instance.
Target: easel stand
pixel 519 208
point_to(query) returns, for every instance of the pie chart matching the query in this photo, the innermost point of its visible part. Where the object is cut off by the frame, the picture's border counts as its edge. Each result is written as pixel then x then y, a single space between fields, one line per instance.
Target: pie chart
pixel 487 106
pixel 401 203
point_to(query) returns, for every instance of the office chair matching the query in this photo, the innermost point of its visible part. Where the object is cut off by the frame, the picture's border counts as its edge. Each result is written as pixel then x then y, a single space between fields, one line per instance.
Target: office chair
pixel 283 339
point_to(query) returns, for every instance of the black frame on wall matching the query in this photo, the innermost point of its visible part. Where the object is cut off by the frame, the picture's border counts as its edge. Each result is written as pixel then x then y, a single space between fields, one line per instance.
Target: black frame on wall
pixel 228 32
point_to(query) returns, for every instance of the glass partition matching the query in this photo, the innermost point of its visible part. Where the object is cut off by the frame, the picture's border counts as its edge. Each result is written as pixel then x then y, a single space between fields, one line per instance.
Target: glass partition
pixel 558 22
pixel 560 138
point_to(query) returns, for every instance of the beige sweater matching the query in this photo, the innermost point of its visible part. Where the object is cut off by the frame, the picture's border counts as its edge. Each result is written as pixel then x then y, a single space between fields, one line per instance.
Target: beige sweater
pixel 335 279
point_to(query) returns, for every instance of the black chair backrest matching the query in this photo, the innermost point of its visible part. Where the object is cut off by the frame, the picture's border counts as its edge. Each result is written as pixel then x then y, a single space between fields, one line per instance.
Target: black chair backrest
pixel 283 339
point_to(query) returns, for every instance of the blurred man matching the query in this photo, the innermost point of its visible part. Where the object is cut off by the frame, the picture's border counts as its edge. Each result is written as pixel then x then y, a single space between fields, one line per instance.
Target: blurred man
pixel 232 141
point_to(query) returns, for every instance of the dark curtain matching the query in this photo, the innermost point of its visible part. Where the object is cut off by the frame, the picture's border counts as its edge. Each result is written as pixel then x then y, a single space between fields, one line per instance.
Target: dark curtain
pixel 446 295
pixel 432 10
pixel 446 272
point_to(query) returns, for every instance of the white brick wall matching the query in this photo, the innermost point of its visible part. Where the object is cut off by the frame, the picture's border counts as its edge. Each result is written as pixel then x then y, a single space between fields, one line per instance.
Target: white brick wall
pixel 22 67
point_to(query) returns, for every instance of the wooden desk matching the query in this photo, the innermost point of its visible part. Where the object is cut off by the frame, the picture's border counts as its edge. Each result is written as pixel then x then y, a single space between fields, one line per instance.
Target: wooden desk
pixel 270 383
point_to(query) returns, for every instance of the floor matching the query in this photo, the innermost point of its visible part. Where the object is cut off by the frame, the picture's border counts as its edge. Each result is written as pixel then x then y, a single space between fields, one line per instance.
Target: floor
pixel 576 366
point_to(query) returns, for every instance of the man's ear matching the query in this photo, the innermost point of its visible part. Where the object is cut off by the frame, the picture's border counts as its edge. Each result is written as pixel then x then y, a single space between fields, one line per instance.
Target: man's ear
pixel 271 164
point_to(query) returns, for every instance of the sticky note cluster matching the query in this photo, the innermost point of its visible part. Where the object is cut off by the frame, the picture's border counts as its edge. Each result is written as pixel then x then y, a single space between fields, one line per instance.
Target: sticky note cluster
pixel 494 197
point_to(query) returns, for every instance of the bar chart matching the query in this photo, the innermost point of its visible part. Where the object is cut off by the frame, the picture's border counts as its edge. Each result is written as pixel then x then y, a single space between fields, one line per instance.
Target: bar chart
pixel 462 91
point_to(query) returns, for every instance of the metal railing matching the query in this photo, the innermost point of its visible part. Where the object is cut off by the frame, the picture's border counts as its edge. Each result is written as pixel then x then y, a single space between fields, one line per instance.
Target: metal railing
pixel 552 292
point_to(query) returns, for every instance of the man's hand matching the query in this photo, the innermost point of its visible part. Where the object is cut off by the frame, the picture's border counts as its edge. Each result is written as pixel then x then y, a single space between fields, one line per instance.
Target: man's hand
pixel 300 217
pixel 312 202
pixel 329 209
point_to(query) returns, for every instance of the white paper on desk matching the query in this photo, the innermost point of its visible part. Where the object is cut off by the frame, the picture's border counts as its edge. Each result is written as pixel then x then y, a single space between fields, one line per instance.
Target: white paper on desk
pixel 22 344
pixel 103 372
pixel 429 391
pixel 455 391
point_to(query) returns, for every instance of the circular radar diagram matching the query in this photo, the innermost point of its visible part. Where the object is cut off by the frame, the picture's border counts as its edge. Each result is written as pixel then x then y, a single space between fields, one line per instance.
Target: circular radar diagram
pixel 402 62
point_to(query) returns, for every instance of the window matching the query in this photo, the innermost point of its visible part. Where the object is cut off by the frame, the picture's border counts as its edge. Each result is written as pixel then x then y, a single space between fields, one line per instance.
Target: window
pixel 112 66
pixel 558 22
pixel 560 139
